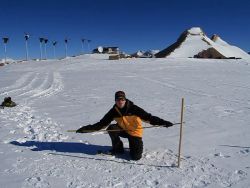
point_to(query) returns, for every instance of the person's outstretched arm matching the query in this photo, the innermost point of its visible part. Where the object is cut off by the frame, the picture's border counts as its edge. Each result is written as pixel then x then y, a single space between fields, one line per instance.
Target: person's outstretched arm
pixel 153 120
pixel 104 122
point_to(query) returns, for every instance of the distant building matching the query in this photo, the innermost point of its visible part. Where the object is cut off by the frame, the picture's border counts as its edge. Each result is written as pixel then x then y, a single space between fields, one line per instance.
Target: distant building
pixel 106 50
pixel 121 55
pixel 114 57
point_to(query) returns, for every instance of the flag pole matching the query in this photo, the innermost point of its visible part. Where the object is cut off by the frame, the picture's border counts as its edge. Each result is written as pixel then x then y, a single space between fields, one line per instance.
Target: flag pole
pixel 5 52
pixel 180 140
pixel 27 53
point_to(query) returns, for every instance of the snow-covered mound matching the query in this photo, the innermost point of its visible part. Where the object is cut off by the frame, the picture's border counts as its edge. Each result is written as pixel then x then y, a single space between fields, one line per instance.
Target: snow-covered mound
pixel 226 49
pixel 193 41
pixel 190 43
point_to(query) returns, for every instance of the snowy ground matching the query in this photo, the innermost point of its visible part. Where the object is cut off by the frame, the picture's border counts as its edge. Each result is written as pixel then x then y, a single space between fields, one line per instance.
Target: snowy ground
pixel 54 96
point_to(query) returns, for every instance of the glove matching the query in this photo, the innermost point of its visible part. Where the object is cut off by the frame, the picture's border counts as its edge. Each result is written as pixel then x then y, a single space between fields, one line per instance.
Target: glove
pixel 84 129
pixel 168 124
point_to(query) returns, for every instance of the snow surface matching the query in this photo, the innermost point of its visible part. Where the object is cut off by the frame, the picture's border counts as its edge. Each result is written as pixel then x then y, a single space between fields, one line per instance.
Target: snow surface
pixel 56 95
pixel 196 41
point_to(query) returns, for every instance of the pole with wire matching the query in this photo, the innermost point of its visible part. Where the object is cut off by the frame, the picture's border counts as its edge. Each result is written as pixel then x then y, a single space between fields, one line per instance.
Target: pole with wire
pixel 26 37
pixel 41 50
pixel 66 47
pixel 82 43
pixel 5 41
pixel 89 45
pixel 54 48
pixel 45 47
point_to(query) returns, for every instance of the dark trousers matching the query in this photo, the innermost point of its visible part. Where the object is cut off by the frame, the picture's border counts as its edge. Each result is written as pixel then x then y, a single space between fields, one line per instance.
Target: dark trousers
pixel 135 143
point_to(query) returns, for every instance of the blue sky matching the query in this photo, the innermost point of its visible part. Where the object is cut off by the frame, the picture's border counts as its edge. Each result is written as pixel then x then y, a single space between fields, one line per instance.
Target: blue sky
pixel 130 24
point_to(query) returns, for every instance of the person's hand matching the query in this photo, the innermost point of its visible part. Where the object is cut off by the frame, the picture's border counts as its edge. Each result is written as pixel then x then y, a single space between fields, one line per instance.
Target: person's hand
pixel 83 129
pixel 80 130
pixel 168 124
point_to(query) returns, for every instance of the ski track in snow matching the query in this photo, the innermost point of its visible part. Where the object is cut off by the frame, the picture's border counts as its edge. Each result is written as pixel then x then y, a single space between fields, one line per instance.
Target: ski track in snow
pixel 43 82
pixel 32 86
pixel 55 87
pixel 18 85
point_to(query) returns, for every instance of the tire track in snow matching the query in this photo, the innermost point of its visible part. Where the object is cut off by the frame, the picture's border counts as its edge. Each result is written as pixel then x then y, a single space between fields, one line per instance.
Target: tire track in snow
pixel 19 84
pixel 55 87
pixel 41 87
pixel 25 88
pixel 31 86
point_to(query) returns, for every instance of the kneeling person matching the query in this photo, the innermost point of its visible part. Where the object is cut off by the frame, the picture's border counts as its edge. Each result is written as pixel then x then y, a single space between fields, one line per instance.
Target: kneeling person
pixel 129 125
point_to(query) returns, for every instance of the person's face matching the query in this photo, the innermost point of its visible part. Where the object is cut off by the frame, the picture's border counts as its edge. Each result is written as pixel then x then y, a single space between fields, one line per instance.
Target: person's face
pixel 120 102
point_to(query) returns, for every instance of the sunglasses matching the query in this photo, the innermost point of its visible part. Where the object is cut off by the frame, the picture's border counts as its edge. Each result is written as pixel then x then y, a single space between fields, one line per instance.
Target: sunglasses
pixel 120 99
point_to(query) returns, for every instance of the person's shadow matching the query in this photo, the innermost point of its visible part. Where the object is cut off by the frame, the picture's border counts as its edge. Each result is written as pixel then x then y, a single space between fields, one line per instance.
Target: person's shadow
pixel 68 147
pixel 62 148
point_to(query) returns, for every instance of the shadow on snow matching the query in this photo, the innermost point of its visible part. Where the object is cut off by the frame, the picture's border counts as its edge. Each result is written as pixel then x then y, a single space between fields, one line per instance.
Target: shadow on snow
pixel 72 147
pixel 69 147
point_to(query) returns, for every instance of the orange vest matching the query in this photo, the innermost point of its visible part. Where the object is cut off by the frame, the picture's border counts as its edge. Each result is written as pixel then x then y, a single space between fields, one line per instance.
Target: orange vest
pixel 131 124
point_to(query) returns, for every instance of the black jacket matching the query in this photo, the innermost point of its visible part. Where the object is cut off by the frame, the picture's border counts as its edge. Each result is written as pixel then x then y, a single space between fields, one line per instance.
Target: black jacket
pixel 130 109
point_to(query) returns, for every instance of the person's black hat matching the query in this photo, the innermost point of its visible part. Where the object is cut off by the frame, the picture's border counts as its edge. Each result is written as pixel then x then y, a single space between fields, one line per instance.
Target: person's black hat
pixel 120 95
